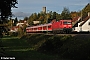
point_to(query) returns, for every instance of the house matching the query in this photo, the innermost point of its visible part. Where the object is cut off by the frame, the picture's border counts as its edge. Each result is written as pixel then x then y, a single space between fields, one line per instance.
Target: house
pixel 75 20
pixel 14 29
pixel 19 24
pixel 83 25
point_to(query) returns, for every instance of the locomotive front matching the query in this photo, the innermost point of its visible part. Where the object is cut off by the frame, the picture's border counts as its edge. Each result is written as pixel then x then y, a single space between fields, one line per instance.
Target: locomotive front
pixel 62 26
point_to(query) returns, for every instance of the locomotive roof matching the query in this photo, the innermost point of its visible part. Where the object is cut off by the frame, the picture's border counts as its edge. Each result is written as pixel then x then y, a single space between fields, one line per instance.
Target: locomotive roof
pixel 65 20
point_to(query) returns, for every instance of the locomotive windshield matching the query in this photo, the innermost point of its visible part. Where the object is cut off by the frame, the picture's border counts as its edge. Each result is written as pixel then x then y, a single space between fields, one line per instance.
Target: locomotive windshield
pixel 66 22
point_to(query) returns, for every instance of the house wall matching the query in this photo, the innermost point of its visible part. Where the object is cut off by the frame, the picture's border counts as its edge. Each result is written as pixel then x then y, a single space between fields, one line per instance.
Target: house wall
pixel 19 24
pixel 77 29
pixel 86 26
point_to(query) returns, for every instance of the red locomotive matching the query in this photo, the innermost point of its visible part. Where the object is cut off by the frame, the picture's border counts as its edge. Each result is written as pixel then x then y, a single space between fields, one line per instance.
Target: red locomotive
pixel 62 26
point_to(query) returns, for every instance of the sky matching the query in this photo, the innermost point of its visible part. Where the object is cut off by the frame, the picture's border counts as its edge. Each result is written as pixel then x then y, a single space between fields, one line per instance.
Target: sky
pixel 28 7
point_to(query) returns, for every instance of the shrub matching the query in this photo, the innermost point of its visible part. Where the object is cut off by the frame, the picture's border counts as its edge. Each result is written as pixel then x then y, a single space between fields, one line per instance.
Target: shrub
pixel 13 33
pixel 52 44
pixel 20 32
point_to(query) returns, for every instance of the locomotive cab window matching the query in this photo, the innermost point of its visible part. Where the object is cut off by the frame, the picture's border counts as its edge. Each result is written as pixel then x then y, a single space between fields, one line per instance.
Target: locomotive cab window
pixel 69 22
pixel 66 22
pixel 49 26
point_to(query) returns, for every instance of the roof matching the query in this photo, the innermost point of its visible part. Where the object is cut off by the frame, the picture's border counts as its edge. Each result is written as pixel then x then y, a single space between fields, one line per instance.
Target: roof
pixel 75 19
pixel 14 27
pixel 86 19
pixel 22 21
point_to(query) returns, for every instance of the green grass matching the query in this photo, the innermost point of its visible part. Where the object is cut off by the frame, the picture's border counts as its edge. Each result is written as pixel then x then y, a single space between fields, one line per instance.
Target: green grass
pixel 21 50
pixel 67 47
pixel 43 47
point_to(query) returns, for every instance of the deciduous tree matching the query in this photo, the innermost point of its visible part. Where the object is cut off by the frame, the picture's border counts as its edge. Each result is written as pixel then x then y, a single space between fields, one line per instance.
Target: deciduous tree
pixel 5 9
pixel 65 14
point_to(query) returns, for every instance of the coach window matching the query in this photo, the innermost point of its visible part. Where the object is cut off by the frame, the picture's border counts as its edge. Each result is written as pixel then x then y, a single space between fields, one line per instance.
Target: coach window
pixel 89 23
pixel 49 26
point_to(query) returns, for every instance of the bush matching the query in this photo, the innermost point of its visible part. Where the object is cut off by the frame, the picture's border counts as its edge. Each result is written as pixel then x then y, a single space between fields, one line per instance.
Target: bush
pixel 53 44
pixel 13 33
pixel 20 32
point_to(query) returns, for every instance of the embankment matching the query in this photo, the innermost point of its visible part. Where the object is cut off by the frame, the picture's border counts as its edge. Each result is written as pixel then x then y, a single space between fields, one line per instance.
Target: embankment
pixel 67 47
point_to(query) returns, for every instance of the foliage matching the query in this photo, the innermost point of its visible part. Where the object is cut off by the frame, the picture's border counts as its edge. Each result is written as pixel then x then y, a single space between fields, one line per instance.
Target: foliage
pixel 53 44
pixel 43 17
pixel 13 33
pixel 74 14
pixel 5 11
pixel 6 4
pixel 20 32
pixel 15 21
pixel 48 17
pixel 24 28
pixel 65 14
pixel 85 10
pixel 26 18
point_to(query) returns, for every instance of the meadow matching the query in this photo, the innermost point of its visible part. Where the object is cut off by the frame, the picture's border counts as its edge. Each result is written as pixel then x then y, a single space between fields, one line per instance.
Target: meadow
pixel 47 47
pixel 21 50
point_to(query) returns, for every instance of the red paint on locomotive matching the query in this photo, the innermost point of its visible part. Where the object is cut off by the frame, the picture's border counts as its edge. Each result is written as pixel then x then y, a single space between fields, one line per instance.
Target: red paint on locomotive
pixel 62 26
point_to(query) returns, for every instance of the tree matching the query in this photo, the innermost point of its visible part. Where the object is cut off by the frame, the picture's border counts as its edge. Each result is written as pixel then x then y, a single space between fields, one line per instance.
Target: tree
pixel 58 16
pixel 15 21
pixel 74 14
pixel 85 10
pixel 30 20
pixel 54 15
pixel 26 18
pixel 65 14
pixel 35 16
pixel 5 9
pixel 20 32
pixel 5 12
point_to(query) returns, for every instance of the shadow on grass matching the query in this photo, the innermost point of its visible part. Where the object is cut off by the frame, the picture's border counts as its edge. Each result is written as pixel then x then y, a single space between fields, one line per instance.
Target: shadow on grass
pixel 21 50
pixel 61 47
pixel 31 55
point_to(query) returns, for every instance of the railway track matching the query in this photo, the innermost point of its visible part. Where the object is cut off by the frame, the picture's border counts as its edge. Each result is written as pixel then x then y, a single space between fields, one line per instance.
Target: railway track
pixel 73 34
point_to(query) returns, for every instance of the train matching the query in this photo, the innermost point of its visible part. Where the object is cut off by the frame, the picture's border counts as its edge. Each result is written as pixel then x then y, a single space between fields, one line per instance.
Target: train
pixel 61 26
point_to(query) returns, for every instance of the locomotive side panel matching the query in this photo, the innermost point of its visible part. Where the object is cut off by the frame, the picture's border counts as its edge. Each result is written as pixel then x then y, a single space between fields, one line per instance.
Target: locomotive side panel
pixel 55 25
